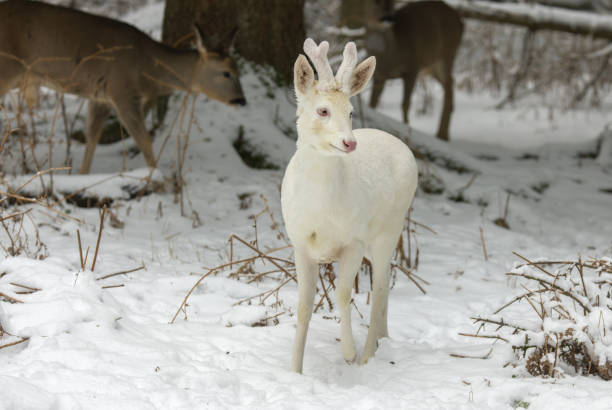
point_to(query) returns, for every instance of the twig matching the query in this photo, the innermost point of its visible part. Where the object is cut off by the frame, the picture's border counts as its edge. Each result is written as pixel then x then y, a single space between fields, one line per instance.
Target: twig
pixel 552 286
pixel 409 275
pixel 485 336
pixel 534 264
pixel 500 323
pixel 462 356
pixel 10 298
pixel 15 343
pixel 195 285
pixel 484 245
pixel 15 215
pixel 24 287
pixel 519 297
pixel 39 173
pixel 38 202
pixel 113 286
pixel 263 255
pixel 121 273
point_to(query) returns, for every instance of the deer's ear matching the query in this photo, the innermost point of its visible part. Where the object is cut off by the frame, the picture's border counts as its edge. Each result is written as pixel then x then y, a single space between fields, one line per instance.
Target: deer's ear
pixel 303 76
pixel 361 75
pixel 226 43
pixel 199 40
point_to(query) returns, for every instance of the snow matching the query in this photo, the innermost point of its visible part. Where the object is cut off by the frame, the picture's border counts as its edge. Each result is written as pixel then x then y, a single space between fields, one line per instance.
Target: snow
pixel 91 347
pixel 110 185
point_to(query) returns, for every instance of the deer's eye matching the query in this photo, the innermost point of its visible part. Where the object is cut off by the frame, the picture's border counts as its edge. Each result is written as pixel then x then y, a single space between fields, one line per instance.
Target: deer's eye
pixel 226 74
pixel 322 112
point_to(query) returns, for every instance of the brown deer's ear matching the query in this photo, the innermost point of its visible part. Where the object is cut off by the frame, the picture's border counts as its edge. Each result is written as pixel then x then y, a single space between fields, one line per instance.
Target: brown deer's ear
pixel 303 76
pixel 227 41
pixel 199 40
pixel 361 75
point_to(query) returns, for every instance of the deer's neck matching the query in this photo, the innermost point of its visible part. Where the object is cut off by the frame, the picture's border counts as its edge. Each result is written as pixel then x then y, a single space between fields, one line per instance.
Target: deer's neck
pixel 323 177
pixel 173 69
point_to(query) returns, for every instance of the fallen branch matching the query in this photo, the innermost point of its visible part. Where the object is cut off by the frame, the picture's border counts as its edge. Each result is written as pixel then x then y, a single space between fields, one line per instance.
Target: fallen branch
pixel 537 17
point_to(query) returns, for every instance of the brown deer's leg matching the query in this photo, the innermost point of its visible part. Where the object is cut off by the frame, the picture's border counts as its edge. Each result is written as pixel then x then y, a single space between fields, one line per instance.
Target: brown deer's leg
pixel 10 74
pixel 448 84
pixel 132 117
pixel 378 85
pixel 96 115
pixel 409 80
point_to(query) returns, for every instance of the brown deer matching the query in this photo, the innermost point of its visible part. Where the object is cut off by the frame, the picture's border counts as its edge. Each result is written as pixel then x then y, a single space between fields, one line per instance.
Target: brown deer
pixel 112 64
pixel 420 36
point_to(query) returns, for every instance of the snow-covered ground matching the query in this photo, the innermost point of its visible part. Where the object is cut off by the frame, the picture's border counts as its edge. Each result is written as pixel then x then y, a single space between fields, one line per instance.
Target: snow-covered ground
pixel 93 347
pixel 527 125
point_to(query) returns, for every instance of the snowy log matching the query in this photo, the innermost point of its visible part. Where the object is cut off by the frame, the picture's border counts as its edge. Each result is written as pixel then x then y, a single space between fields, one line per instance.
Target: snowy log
pixel 604 158
pixel 537 17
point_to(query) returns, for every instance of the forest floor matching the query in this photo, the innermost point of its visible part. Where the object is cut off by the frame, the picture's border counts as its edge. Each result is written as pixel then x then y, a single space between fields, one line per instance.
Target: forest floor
pixel 94 346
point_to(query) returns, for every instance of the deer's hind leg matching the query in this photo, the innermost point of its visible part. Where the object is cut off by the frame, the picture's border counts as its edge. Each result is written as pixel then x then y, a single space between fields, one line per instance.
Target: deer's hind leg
pixel 378 85
pixel 444 74
pixel 409 80
pixel 97 113
pixel 382 249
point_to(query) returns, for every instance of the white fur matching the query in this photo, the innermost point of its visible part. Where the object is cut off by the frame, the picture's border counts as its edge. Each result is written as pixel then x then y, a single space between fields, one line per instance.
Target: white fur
pixel 340 206
pixel 318 56
pixel 349 61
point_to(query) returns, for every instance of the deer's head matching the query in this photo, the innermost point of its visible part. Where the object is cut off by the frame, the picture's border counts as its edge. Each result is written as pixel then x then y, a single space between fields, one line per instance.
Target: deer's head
pixel 324 108
pixel 217 76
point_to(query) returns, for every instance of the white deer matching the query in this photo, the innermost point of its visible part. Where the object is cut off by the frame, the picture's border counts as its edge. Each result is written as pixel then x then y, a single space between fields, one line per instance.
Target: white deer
pixel 345 193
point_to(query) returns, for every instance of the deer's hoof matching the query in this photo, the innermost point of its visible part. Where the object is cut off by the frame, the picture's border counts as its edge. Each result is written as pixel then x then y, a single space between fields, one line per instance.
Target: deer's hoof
pixel 351 360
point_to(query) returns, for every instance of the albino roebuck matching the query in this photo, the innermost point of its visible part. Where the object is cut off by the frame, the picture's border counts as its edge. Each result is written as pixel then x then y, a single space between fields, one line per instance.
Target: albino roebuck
pixel 345 193
pixel 112 64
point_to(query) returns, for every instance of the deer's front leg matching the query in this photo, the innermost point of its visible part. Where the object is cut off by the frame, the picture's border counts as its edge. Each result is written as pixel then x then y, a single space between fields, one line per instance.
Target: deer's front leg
pixel 307 272
pixel 130 113
pixel 350 262
pixel 96 115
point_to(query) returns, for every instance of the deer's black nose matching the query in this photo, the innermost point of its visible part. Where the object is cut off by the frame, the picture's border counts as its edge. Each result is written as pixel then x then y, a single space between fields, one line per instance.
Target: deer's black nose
pixel 238 101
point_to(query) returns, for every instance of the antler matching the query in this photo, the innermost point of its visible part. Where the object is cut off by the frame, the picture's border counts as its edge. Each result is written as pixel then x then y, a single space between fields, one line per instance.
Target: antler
pixel 318 56
pixel 349 61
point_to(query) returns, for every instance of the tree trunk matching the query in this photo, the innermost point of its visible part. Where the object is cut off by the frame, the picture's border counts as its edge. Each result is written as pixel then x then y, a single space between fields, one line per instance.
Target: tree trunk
pixel 269 31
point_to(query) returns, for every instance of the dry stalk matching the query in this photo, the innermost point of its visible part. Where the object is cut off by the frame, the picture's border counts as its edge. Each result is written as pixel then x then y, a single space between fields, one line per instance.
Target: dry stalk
pixel 80 250
pixel 564 302
pixel 93 264
pixel 245 268
pixel 484 245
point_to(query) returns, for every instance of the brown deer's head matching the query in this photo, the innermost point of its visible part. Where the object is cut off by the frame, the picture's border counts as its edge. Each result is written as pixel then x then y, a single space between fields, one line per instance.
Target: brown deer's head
pixel 218 75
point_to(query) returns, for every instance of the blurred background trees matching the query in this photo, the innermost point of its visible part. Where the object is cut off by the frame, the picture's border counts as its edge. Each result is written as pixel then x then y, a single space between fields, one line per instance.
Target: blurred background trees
pixel 269 32
pixel 513 63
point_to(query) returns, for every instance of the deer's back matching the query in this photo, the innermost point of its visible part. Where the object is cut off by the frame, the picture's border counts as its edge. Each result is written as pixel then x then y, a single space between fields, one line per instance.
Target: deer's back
pixel 425 32
pixel 56 40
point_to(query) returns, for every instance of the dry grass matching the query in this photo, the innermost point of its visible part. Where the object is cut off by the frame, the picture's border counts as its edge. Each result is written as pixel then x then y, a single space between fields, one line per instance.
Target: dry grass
pixel 571 308
pixel 560 69
pixel 262 262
